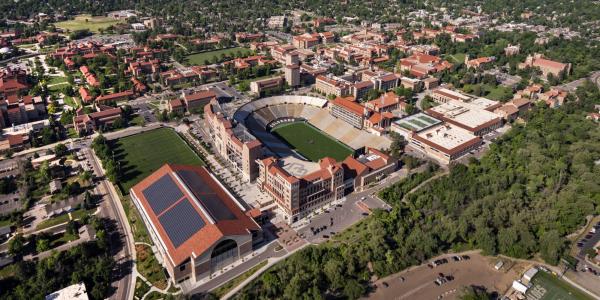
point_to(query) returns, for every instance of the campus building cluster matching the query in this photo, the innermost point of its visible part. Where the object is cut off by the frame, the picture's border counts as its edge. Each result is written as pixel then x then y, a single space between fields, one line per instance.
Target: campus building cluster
pixel 20 113
pixel 456 126
pixel 375 116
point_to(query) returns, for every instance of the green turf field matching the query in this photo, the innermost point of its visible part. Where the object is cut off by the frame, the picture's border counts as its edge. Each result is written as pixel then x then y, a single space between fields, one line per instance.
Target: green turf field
pixel 549 287
pixel 144 153
pixel 87 22
pixel 311 142
pixel 200 58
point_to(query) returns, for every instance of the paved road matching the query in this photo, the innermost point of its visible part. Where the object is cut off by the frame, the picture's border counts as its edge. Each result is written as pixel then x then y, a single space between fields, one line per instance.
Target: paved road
pixel 572 86
pixel 124 246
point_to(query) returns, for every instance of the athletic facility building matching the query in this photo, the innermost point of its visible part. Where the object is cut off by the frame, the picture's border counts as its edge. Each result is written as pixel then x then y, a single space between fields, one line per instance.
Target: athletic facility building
pixel 232 141
pixel 445 142
pixel 298 196
pixel 300 171
pixel 196 224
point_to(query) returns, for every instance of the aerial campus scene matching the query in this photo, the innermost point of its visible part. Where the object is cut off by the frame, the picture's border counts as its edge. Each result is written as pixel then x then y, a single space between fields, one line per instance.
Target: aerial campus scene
pixel 297 149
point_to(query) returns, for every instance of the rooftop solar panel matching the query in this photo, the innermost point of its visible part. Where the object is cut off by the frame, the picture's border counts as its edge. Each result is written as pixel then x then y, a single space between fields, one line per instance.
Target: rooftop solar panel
pixel 181 222
pixel 194 182
pixel 216 207
pixel 206 195
pixel 162 194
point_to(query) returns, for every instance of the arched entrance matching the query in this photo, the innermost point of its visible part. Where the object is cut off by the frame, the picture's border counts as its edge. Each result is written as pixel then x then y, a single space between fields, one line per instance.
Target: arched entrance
pixel 224 253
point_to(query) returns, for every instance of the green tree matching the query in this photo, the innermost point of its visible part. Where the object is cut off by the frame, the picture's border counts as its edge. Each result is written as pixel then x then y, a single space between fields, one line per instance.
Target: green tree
pixel 41 245
pixel 474 293
pixel 551 246
pixel 16 245
pixel 60 150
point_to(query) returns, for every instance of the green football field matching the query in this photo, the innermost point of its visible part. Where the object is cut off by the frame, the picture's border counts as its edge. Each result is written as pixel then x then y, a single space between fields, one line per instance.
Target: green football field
pixel 311 142
pixel 144 153
pixel 549 287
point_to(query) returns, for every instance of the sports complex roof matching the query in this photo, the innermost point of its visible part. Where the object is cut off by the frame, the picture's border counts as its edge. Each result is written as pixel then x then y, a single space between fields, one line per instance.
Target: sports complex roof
pixel 189 210
pixel 417 122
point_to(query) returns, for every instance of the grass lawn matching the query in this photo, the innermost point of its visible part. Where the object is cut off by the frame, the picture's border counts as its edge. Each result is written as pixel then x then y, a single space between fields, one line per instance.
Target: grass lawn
pixel 94 24
pixel 57 87
pixel 27 46
pixel 549 287
pixel 141 288
pixel 137 121
pixel 498 93
pixel 5 222
pixel 224 289
pixel 53 221
pixel 8 271
pixel 62 239
pixel 80 213
pixel 149 267
pixel 311 142
pixel 56 80
pixel 199 58
pixel 144 153
pixel 71 133
pixel 456 58
pixel 70 101
pixel 140 233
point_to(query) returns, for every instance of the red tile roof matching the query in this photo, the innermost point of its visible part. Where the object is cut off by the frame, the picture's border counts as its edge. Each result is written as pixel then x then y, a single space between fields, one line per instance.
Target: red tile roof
pixel 198 96
pixel 114 96
pixel 348 104
pixel 211 233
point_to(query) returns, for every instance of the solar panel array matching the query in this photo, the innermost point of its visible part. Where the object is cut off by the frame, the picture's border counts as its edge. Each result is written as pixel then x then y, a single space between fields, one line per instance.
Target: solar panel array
pixel 181 222
pixel 162 194
pixel 206 195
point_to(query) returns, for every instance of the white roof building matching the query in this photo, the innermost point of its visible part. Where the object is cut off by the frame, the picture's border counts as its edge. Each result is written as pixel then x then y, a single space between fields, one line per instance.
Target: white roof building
pixel 519 287
pixel 529 274
pixel 72 292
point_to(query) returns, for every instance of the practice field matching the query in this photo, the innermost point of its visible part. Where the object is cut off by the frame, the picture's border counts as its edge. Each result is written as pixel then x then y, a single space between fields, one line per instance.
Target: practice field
pixel 87 22
pixel 311 142
pixel 549 287
pixel 200 58
pixel 144 153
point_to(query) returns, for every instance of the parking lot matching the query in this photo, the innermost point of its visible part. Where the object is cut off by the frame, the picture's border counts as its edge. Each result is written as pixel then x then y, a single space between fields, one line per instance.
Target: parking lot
pixel 337 217
pixel 589 240
pixel 419 282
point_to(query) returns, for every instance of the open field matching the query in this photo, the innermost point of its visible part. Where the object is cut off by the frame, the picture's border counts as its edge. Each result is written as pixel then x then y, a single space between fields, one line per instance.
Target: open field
pixel 549 287
pixel 94 24
pixel 200 58
pixel 144 153
pixel 311 142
